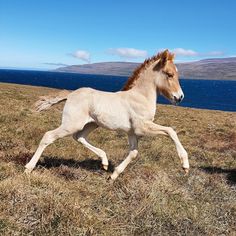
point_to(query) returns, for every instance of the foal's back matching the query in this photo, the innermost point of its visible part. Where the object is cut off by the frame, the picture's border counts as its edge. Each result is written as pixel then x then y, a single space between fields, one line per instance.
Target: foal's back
pixel 107 109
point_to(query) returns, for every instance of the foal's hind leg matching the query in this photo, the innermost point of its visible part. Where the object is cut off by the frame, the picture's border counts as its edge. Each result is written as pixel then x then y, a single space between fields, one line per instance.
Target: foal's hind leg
pixel 133 152
pixel 81 137
pixel 48 138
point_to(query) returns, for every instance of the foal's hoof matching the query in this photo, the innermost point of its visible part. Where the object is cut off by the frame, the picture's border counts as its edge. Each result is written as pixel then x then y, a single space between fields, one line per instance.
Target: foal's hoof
pixel 112 177
pixel 110 180
pixel 27 171
pixel 186 170
pixel 105 167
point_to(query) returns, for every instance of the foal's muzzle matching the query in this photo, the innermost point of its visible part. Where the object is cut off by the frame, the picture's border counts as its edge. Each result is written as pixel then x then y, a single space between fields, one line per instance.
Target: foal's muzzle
pixel 177 97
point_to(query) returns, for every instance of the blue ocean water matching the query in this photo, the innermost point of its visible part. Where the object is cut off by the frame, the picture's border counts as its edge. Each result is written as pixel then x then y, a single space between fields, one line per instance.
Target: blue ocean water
pixel 206 94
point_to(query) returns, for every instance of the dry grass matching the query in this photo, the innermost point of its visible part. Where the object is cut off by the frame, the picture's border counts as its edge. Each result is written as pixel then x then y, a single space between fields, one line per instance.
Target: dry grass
pixel 68 193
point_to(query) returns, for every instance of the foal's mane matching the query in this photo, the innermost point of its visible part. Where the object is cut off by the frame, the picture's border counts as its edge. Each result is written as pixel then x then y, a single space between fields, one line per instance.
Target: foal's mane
pixel 132 79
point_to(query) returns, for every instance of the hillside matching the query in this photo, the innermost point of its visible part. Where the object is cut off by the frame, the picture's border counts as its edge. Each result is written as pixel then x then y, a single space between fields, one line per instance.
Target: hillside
pixel 68 193
pixel 103 68
pixel 218 69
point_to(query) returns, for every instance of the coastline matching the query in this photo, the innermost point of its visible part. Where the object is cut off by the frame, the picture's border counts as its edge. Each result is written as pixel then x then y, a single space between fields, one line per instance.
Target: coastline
pixel 199 94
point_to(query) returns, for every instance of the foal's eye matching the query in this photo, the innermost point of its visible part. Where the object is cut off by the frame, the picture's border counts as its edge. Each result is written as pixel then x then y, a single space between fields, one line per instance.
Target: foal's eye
pixel 170 75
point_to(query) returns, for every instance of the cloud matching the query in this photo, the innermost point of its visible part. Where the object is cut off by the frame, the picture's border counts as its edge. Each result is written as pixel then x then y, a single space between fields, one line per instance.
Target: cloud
pixel 127 53
pixel 82 55
pixel 55 64
pixel 184 52
pixel 191 53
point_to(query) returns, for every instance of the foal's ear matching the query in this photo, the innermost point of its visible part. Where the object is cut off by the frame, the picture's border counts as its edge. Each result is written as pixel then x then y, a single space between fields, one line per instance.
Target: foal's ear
pixel 164 56
pixel 171 56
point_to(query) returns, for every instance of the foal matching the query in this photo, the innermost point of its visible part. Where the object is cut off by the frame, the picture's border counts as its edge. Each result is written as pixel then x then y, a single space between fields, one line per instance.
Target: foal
pixel 131 110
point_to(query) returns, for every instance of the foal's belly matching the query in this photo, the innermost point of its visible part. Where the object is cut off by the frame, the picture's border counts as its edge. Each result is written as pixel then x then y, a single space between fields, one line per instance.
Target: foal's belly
pixel 111 114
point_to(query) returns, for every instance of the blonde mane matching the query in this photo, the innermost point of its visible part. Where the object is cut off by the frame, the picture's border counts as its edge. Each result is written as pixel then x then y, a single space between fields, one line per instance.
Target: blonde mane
pixel 135 76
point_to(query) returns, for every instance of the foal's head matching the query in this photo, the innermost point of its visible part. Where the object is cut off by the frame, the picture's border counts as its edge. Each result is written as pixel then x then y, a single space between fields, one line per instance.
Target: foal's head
pixel 167 78
pixel 163 72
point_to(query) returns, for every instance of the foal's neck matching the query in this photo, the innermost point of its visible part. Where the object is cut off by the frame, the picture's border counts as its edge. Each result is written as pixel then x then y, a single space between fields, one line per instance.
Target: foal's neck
pixel 145 85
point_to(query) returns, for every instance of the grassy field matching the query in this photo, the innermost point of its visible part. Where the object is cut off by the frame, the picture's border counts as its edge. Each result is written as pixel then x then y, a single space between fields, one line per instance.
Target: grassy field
pixel 68 193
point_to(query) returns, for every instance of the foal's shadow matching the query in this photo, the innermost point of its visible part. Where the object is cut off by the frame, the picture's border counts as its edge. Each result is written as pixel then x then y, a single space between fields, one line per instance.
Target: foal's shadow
pixel 230 173
pixel 88 164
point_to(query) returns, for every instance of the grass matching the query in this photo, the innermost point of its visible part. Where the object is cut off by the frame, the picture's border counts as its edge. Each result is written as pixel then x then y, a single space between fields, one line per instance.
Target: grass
pixel 68 193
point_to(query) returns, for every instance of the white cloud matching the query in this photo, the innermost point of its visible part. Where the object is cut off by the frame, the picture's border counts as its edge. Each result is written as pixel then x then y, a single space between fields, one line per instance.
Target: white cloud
pixel 191 53
pixel 82 55
pixel 184 52
pixel 128 53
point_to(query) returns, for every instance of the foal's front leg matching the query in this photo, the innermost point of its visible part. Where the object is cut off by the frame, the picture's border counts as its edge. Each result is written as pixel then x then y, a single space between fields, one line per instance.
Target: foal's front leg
pixel 133 144
pixel 150 128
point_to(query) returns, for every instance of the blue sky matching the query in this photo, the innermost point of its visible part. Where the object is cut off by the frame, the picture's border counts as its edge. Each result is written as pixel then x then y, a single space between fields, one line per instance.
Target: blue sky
pixel 43 34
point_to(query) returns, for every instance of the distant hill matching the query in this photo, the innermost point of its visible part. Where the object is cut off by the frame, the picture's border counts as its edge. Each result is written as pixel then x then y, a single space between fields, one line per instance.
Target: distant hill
pixel 216 68
pixel 102 68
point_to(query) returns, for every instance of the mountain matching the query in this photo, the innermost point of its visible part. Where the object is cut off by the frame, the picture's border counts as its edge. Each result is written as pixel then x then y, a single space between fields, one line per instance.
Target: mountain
pixel 102 68
pixel 215 68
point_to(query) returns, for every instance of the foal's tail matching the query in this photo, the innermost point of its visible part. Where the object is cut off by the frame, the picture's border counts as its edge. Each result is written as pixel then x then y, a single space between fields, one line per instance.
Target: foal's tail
pixel 45 102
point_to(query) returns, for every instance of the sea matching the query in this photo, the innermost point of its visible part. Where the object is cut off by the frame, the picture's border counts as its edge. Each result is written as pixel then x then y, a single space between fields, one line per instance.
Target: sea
pixel 204 94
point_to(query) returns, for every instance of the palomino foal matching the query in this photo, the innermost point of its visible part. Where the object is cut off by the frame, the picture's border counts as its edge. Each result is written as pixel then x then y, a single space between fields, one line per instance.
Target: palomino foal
pixel 131 110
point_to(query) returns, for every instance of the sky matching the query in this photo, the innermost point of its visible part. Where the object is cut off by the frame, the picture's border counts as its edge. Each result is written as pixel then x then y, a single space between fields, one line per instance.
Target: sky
pixel 47 34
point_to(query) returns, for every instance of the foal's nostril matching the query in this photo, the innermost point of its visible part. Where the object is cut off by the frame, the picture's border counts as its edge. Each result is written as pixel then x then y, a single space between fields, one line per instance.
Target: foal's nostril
pixel 178 100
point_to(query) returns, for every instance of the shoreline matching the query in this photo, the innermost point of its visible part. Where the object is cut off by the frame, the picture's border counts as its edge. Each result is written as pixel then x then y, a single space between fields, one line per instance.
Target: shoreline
pixel 109 75
pixel 50 89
